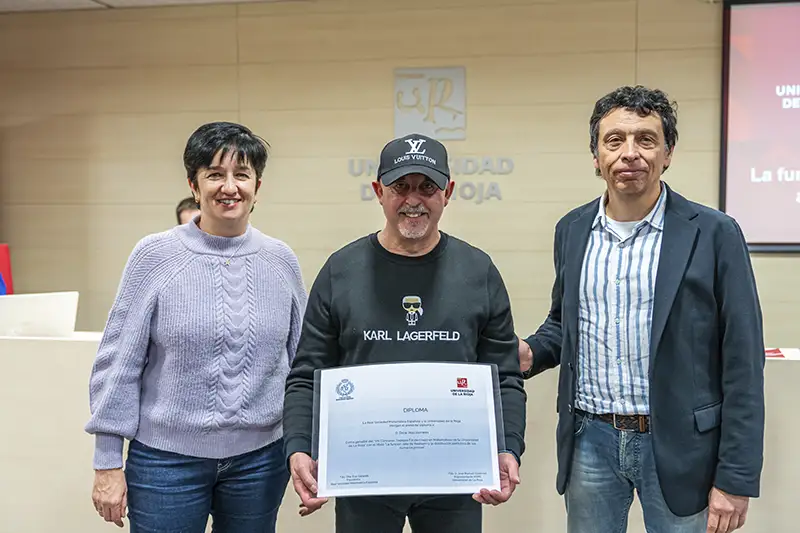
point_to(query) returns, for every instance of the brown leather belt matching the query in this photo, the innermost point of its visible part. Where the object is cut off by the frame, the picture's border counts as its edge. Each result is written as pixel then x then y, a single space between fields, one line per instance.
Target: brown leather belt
pixel 637 423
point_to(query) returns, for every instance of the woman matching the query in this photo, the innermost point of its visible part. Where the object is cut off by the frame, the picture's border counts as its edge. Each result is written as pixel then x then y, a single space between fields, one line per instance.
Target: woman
pixel 193 359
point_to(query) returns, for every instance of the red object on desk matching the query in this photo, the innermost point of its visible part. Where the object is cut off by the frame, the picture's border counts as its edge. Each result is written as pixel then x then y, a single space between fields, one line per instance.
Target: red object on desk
pixel 5 268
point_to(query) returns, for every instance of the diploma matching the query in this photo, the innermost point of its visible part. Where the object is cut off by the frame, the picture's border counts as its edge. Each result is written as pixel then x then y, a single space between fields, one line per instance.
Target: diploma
pixel 407 428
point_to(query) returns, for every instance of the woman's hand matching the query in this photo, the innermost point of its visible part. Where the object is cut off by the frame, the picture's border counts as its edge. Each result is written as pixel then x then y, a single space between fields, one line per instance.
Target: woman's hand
pixel 110 495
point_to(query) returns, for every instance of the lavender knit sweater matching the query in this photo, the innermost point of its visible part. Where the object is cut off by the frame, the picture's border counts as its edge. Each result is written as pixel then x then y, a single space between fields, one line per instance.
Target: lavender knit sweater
pixel 195 353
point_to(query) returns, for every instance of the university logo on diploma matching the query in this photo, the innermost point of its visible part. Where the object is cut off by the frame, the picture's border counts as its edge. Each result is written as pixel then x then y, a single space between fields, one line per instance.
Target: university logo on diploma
pixel 344 389
pixel 412 428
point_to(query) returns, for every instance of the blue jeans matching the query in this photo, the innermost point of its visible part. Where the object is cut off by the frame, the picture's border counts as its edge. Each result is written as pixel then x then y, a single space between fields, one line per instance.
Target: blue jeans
pixel 607 465
pixel 172 493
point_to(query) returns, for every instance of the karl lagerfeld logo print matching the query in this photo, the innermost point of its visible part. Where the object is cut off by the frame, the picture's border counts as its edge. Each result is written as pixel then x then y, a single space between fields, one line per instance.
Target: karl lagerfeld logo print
pixel 412 305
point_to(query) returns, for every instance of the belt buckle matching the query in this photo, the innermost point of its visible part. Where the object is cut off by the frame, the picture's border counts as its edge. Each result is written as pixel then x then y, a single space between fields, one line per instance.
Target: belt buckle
pixel 642 424
pixel 614 423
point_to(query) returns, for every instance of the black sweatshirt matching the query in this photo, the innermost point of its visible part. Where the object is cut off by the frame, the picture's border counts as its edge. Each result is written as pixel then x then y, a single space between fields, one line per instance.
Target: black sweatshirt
pixel 368 305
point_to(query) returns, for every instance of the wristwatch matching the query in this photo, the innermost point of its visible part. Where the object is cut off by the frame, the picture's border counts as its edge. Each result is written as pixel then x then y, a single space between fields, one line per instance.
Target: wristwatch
pixel 528 373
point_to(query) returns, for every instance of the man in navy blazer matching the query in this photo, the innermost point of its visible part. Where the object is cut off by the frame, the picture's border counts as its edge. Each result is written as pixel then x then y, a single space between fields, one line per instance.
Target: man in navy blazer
pixel 656 324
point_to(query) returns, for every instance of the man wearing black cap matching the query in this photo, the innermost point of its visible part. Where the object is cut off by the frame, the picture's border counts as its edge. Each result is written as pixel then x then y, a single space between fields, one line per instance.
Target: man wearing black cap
pixel 357 313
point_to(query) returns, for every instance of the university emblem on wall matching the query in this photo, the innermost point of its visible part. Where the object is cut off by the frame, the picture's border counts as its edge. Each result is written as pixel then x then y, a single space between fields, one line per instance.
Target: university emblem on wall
pixel 431 101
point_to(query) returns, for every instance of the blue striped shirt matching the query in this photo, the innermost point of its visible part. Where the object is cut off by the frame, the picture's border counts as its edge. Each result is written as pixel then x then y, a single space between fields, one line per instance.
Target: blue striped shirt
pixel 616 309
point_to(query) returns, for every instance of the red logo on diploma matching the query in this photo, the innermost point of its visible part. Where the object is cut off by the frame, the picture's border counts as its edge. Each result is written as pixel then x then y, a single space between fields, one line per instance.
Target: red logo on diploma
pixel 461 383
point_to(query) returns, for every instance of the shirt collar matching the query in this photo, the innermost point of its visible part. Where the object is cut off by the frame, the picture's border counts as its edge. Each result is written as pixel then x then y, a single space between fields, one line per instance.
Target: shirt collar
pixel 655 217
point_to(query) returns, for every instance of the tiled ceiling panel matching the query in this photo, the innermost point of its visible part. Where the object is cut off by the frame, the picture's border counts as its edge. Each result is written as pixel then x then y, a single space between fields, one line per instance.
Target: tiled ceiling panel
pixel 46 5
pixel 150 3
pixel 9 6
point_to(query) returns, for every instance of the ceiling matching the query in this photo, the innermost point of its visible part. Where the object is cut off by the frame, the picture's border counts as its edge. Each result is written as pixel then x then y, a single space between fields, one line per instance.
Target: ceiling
pixel 8 6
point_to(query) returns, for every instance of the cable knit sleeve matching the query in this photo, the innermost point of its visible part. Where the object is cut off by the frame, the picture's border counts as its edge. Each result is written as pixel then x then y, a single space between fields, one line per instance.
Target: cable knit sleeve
pixel 299 301
pixel 115 380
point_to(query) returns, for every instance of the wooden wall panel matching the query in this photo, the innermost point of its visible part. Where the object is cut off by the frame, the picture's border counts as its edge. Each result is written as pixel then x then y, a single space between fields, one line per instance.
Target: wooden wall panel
pixel 95 109
pixel 472 31
pixel 88 181
pixel 293 9
pixel 657 68
pixel 494 80
pixel 699 125
pixel 678 25
pixel 119 90
pixel 139 136
pixel 157 42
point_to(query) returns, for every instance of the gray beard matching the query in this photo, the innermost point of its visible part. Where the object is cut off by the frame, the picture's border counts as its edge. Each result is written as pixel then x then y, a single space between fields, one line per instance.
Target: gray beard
pixel 413 231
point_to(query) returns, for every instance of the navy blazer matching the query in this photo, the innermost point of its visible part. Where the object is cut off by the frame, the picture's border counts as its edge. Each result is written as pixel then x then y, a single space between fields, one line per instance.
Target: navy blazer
pixel 706 370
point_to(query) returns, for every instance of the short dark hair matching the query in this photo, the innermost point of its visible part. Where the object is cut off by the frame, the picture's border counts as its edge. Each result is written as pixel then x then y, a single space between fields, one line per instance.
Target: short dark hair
pixel 213 137
pixel 186 204
pixel 641 100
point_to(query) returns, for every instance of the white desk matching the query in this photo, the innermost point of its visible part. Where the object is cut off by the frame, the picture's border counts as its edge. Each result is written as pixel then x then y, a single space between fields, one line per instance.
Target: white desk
pixel 46 458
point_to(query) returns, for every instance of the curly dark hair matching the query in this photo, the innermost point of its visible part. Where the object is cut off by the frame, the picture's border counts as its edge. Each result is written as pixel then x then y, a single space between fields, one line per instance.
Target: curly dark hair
pixel 641 100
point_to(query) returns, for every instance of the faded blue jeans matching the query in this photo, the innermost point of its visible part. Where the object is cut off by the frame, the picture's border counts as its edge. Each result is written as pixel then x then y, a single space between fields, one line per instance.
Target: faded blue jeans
pixel 607 466
pixel 172 493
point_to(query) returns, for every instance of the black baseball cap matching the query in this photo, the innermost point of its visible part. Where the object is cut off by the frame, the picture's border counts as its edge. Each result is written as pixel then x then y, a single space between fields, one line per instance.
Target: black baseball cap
pixel 414 154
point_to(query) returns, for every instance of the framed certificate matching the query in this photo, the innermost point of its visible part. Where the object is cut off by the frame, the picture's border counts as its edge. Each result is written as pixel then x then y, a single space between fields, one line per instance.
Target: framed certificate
pixel 407 428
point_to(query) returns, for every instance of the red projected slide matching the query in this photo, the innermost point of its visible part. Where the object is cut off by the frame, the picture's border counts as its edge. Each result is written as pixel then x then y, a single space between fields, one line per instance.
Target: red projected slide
pixel 761 177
